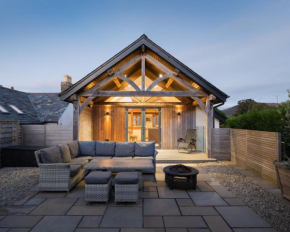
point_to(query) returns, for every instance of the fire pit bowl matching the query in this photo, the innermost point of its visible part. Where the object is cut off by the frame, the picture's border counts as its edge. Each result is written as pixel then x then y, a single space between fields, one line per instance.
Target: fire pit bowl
pixel 180 176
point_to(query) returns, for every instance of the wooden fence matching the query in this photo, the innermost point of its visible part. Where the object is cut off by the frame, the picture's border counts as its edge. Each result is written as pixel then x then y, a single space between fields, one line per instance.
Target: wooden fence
pixel 9 133
pixel 46 135
pixel 220 145
pixel 256 151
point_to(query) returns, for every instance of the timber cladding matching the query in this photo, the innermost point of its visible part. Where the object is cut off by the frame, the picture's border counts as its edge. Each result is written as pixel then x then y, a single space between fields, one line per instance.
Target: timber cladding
pixel 112 126
pixel 256 151
pixel 86 125
pixel 9 133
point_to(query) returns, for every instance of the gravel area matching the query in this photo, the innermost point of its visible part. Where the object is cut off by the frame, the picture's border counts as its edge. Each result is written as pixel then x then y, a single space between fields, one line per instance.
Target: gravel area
pixel 264 203
pixel 15 182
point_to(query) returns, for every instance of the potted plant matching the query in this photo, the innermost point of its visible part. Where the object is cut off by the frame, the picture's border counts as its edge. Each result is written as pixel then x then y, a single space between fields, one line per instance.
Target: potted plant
pixel 283 172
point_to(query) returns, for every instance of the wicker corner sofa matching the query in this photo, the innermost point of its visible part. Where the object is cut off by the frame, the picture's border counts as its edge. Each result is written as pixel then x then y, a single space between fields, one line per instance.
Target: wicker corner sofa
pixel 61 166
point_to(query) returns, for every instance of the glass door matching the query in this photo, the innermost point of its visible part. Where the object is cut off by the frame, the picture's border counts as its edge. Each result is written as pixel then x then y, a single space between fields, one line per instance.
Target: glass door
pixel 143 124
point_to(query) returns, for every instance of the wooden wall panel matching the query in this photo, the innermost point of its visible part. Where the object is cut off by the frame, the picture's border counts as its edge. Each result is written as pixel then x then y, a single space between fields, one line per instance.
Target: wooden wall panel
pixel 86 124
pixel 9 133
pixel 256 151
pixel 174 126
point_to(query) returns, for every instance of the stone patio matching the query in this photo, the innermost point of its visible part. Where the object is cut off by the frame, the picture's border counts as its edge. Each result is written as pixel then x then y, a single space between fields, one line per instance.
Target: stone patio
pixel 210 208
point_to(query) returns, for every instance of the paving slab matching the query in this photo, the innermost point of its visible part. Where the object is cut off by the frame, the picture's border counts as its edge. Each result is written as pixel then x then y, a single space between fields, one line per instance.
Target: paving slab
pixel 153 222
pixel 142 230
pixel 54 206
pixel 150 189
pixel 34 189
pixel 81 184
pixel 176 230
pixel 51 195
pixel 125 217
pixel 148 195
pixel 24 198
pixel 217 224
pixel 96 230
pixel 4 229
pixel 16 210
pixel 204 177
pixel 184 221
pixel 159 207
pixel 234 201
pixel 76 193
pixel 35 201
pixel 81 201
pixel 204 187
pixel 150 183
pixel 165 192
pixel 255 230
pixel 20 221
pixel 206 199
pixel 198 230
pixel 133 204
pixel 241 216
pixel 19 230
pixel 96 210
pixel 57 223
pixel 1 217
pixel 90 221
pixel 198 211
pixel 184 202
pixel 221 190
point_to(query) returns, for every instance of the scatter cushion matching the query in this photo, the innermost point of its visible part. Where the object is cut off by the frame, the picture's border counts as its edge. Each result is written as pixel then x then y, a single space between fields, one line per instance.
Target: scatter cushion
pixel 75 169
pixel 65 153
pixel 51 155
pixel 105 148
pixel 74 149
pixel 87 148
pixel 98 177
pixel 79 161
pixel 124 149
pixel 127 178
pixel 144 149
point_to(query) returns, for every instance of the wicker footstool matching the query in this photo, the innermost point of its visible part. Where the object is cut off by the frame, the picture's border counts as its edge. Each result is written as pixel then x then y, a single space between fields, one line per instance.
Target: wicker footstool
pixel 98 186
pixel 127 187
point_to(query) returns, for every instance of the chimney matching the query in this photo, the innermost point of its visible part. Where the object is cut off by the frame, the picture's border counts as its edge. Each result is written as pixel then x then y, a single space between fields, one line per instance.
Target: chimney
pixel 67 82
pixel 12 87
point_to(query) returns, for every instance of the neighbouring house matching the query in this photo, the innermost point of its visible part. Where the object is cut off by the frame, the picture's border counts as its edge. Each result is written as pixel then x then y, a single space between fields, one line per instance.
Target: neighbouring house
pixel 229 112
pixel 34 108
pixel 143 94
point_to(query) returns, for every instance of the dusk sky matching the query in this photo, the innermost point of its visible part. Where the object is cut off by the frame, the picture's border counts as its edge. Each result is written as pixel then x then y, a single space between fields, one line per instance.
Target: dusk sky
pixel 241 47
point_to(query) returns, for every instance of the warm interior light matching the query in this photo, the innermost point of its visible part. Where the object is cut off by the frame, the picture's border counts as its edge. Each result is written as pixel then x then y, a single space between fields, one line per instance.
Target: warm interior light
pixel 160 75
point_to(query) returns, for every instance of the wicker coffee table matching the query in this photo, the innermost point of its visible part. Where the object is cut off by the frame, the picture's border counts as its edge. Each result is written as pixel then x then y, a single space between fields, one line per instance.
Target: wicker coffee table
pixel 186 180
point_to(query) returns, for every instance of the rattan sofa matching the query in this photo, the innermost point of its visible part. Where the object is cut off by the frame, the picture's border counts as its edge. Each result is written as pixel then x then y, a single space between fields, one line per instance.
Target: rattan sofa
pixel 61 166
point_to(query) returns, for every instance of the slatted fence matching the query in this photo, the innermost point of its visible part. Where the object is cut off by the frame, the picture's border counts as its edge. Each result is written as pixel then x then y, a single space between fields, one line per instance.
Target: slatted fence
pixel 9 131
pixel 220 146
pixel 256 151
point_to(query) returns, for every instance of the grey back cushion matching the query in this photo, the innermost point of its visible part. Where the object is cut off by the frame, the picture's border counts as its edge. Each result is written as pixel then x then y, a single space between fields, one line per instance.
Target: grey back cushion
pixel 74 149
pixel 87 148
pixel 124 149
pixel 51 155
pixel 105 148
pixel 144 148
pixel 65 153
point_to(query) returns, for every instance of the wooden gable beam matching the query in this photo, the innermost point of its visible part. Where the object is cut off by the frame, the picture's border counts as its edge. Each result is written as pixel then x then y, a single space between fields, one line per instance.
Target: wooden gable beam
pixel 155 82
pixel 145 93
pixel 128 64
pixel 129 81
pixel 117 82
pixel 169 82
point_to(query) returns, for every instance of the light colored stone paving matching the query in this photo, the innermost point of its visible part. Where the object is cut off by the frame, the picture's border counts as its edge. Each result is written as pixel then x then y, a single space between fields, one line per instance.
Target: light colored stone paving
pixel 209 208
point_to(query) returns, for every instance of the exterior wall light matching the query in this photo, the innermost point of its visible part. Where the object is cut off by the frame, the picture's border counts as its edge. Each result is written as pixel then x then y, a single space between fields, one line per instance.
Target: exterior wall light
pixel 107 113
pixel 178 113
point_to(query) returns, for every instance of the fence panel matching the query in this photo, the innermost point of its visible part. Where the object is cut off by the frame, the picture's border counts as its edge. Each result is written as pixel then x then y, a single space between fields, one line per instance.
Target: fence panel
pixel 8 133
pixel 221 149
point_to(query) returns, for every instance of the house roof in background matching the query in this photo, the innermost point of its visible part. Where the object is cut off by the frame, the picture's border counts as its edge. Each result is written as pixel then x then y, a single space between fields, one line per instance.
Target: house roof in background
pixel 48 106
pixel 144 40
pixel 37 108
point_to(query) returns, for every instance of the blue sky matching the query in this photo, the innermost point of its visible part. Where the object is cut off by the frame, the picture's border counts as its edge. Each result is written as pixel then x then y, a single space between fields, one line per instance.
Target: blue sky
pixel 242 47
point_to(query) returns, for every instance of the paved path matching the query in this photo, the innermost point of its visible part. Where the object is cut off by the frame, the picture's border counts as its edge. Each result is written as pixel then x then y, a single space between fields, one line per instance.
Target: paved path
pixel 210 208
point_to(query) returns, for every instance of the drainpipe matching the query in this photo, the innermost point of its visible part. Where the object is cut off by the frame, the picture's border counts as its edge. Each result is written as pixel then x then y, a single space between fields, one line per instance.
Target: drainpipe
pixel 214 113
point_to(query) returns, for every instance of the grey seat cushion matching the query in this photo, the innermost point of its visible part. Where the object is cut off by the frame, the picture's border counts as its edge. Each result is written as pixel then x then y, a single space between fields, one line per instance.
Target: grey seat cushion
pixel 65 153
pixel 87 148
pixel 102 157
pixel 122 158
pixel 144 148
pixel 74 149
pixel 51 155
pixel 123 149
pixel 105 148
pixel 127 178
pixel 79 161
pixel 143 158
pixel 98 177
pixel 75 169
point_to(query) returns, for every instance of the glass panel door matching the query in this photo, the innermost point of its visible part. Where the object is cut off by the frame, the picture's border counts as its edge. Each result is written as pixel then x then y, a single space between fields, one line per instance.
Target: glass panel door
pixel 143 124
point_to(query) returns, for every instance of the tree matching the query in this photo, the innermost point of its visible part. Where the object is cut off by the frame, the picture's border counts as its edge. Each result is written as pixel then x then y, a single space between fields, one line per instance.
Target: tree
pixel 247 105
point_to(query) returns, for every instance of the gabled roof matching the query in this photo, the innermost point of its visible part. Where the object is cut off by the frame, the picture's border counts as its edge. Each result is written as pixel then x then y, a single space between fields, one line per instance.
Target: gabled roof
pixel 144 40
pixel 37 108
pixel 48 106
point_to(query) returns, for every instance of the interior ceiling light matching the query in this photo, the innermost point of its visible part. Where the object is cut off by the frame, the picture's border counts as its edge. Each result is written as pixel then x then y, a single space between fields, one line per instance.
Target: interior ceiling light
pixel 160 75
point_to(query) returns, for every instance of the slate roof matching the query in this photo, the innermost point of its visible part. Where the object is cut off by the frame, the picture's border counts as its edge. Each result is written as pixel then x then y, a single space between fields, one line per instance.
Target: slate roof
pixel 48 106
pixel 37 108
